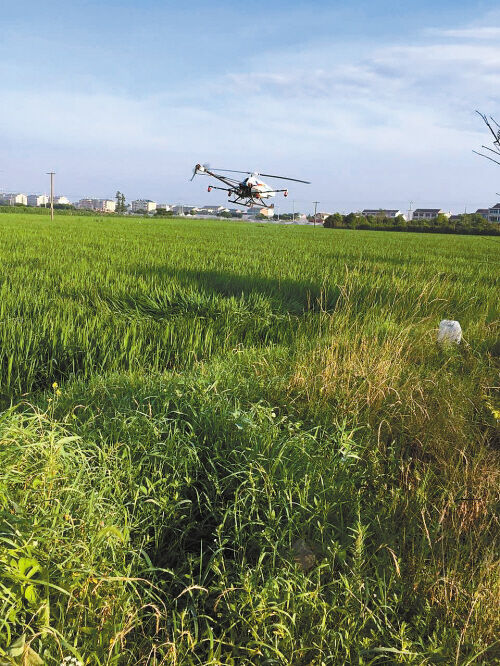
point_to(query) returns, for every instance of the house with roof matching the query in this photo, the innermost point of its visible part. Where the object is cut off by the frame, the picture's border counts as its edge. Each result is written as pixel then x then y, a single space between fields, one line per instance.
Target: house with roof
pixel 428 213
pixel 494 213
pixel 383 212
pixel 320 217
pixel 258 210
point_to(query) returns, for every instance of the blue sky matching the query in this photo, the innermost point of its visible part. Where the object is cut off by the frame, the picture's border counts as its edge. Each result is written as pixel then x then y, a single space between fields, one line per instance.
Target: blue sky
pixel 371 101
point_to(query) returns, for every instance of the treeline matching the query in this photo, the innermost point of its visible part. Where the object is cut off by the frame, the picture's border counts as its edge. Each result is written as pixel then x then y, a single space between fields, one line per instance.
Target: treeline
pixel 59 209
pixel 473 224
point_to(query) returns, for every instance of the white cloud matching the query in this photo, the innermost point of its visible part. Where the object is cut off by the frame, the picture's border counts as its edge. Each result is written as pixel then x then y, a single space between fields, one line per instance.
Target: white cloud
pixel 479 32
pixel 371 122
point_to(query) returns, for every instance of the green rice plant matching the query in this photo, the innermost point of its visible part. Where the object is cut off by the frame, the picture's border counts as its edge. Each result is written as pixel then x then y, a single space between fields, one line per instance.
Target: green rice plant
pixel 190 405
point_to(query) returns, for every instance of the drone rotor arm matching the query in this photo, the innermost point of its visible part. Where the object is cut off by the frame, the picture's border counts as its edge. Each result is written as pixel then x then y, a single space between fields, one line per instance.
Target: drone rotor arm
pixel 296 180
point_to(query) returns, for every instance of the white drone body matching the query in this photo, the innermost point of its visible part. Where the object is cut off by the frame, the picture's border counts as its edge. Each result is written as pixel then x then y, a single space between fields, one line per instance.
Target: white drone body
pixel 248 192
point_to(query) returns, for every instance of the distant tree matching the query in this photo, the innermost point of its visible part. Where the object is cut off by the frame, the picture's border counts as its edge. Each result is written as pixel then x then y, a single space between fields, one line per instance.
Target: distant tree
pixel 334 221
pixel 351 220
pixel 476 219
pixel 120 203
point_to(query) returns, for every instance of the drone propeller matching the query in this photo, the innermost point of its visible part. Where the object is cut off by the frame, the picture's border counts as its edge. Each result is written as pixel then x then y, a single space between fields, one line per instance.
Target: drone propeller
pixel 266 175
pixel 195 170
pixel 233 171
pixel 296 180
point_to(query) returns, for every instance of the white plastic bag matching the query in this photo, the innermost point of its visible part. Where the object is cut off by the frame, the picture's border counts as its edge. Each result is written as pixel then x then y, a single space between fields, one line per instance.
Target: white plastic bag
pixel 449 331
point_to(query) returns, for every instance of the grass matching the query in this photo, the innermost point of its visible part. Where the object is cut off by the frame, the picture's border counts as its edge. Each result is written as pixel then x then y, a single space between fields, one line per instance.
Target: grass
pixel 188 404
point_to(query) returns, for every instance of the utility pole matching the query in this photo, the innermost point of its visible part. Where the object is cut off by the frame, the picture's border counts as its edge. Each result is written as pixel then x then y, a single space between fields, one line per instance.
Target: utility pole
pixel 51 174
pixel 315 207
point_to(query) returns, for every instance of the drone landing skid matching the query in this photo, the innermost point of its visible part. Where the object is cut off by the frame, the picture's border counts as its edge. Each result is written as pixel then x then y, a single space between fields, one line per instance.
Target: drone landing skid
pixel 249 203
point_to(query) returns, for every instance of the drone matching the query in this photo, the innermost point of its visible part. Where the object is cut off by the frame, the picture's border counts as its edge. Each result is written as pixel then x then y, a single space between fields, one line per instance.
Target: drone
pixel 251 191
pixel 489 122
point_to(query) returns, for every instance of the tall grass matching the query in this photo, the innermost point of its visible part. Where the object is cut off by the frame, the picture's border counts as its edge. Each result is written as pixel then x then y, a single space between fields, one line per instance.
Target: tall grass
pixel 189 405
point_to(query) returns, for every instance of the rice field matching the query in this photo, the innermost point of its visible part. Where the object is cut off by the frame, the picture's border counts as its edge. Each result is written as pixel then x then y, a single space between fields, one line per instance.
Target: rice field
pixel 230 443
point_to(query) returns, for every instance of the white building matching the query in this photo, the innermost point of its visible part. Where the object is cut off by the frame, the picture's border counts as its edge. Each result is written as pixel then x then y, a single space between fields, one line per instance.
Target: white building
pixel 62 200
pixel 101 205
pixel 143 206
pixel 14 198
pixel 383 212
pixel 38 200
pixel 181 209
pixel 428 213
pixel 494 213
pixel 86 204
pixel 257 210
pixel 105 205
pixel 164 206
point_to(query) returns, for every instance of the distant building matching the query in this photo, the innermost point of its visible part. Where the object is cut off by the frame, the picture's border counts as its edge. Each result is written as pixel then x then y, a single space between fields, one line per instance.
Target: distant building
pixel 163 206
pixel 101 205
pixel 143 205
pixel 85 204
pixel 180 209
pixel 257 210
pixel 494 213
pixel 62 200
pixel 428 213
pixel 14 198
pixel 105 205
pixel 37 200
pixel 484 212
pixel 212 210
pixel 320 217
pixel 382 212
